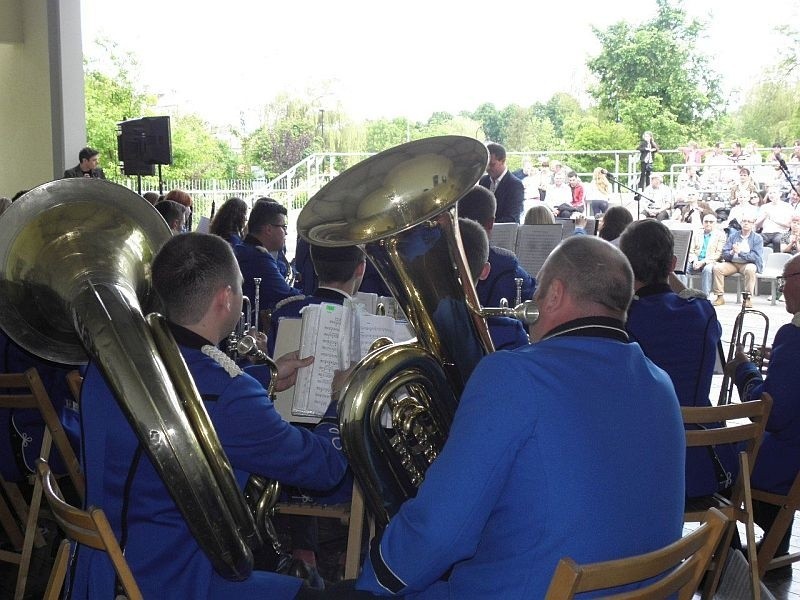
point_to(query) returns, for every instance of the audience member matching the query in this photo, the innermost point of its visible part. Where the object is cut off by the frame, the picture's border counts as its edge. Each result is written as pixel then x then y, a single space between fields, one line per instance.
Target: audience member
pixel 539 215
pixel 716 167
pixel 507 189
pixel 742 191
pixel 659 198
pixel 598 194
pixel 778 458
pixel 506 333
pixel 542 490
pixel 87 165
pixel 184 198
pixel 705 252
pixel 773 220
pixel 742 254
pixel 266 234
pixel 680 335
pixel 152 197
pixel 230 220
pixel 174 214
pixel 614 221
pixel 558 193
pixel 692 154
pixel 790 241
pixel 198 282
pixel 577 201
pixel 647 150
pixel 479 205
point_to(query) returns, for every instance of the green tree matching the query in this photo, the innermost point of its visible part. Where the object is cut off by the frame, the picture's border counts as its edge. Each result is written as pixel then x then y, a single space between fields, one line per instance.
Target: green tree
pixel 197 153
pixel 770 113
pixel 654 73
pixel 491 122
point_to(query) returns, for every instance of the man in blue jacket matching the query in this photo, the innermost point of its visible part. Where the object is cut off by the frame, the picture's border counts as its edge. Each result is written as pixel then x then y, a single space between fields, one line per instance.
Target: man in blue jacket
pixel 587 465
pixel 742 253
pixel 196 277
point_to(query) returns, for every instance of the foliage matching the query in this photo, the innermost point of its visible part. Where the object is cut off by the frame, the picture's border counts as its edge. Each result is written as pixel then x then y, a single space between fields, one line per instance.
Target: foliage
pixel 197 153
pixel 771 113
pixel 652 74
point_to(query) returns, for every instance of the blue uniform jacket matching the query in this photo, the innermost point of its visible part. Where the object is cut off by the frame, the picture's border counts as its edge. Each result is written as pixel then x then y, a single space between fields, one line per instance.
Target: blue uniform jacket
pixel 255 261
pixel 22 430
pixel 507 333
pixel 778 458
pixel 682 335
pixel 500 282
pixel 164 557
pixel 540 464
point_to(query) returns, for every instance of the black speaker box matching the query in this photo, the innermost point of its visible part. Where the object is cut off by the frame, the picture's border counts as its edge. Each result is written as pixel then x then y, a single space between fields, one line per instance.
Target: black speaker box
pixel 144 142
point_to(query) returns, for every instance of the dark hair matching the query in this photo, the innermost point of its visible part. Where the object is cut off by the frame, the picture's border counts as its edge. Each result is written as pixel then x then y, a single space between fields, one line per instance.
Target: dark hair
pixel 230 218
pixel 744 171
pixel 87 153
pixel 18 195
pixel 615 220
pixel 151 197
pixel 336 264
pixel 263 214
pixel 497 151
pixel 649 247
pixel 571 174
pixel 171 211
pixel 476 245
pixel 188 271
pixel 478 204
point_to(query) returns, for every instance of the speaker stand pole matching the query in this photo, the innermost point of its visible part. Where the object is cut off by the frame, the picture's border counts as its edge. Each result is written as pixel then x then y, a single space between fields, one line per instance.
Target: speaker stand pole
pixel 139 184
pixel 160 182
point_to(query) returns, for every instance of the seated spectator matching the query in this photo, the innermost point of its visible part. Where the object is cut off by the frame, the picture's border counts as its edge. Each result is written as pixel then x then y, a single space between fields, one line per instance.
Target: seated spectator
pixel 577 201
pixel 742 253
pixel 479 205
pixel 773 219
pixel 230 220
pixel 266 234
pixel 614 221
pixel 173 213
pixel 742 191
pixel 659 198
pixel 558 193
pixel 680 335
pixel 705 252
pixel 184 198
pixel 778 458
pixel 790 241
pixel 539 215
pixel 598 194
pixel 540 489
pixel 506 333
pixel 152 197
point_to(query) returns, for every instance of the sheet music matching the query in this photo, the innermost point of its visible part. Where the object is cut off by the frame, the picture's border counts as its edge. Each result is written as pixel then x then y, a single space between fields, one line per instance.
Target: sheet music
pixel 682 234
pixel 203 225
pixel 288 340
pixel 371 328
pixel 369 300
pixel 504 235
pixel 534 244
pixel 320 337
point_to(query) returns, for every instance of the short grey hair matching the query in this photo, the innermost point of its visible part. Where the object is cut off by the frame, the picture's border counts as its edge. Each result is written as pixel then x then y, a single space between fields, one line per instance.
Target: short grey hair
pixel 592 270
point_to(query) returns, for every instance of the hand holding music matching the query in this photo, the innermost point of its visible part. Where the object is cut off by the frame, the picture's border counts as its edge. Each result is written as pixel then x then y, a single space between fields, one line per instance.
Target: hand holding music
pixel 287 369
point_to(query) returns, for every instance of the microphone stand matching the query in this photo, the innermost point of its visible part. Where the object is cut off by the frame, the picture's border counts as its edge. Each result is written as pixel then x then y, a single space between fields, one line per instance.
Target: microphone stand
pixel 785 170
pixel 636 195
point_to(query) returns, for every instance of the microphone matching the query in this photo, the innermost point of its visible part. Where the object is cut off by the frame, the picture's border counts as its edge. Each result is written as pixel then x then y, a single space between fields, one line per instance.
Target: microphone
pixel 607 174
pixel 782 163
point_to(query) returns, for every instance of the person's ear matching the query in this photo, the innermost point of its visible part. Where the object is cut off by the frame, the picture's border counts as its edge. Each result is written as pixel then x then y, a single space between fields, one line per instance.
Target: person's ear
pixel 487 268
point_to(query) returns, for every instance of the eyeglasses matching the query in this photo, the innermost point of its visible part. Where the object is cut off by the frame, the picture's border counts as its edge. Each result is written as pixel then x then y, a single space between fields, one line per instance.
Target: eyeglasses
pixel 782 280
pixel 709 221
pixel 284 227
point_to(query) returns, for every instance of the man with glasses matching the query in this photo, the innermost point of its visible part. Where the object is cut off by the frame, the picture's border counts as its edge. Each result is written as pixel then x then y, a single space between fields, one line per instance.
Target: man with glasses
pixel 266 234
pixel 742 253
pixel 705 252
pixel 779 456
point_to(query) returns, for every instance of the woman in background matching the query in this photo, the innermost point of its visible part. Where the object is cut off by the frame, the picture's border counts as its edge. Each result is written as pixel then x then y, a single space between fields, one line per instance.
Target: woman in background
pixel 229 221
pixel 598 193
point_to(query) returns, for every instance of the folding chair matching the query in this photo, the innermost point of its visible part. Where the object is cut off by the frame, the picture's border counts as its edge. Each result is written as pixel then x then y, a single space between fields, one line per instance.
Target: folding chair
pixel 682 564
pixel 89 527
pixel 353 513
pixel 739 507
pixel 769 544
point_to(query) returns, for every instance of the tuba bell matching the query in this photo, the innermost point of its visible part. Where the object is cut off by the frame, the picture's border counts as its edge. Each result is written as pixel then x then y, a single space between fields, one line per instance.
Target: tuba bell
pixel 75 256
pixel 396 409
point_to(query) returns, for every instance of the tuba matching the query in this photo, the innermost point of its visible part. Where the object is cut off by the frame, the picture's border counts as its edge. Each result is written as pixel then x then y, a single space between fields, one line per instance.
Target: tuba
pixel 396 409
pixel 75 256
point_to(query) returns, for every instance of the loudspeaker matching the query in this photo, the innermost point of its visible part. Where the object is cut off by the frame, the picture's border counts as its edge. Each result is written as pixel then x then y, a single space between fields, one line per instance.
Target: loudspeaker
pixel 142 143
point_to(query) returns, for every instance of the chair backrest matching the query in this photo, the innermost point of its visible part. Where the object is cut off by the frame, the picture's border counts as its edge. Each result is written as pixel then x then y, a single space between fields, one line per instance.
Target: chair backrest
pixel 29 392
pixel 89 527
pixel 774 263
pixel 682 564
pixel 737 429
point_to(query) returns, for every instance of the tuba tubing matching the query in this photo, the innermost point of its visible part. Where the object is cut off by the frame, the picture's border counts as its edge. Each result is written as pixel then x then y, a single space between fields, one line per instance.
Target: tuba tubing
pixel 74 270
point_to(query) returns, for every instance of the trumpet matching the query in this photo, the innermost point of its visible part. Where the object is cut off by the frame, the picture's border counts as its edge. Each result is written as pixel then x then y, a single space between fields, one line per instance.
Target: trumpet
pixel 747 339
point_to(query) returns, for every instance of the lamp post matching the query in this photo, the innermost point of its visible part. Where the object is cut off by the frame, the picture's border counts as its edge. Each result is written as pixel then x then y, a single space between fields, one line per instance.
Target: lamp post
pixel 322 124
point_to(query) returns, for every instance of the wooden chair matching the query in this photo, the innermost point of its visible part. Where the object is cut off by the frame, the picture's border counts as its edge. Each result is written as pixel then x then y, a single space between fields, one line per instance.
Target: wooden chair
pixel 745 425
pixel 89 527
pixel 26 391
pixel 75 381
pixel 769 544
pixel 353 513
pixel 683 563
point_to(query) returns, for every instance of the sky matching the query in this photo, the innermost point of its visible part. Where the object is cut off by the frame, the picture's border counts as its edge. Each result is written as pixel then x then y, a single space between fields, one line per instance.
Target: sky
pixel 224 60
